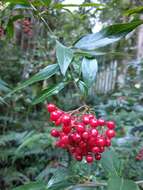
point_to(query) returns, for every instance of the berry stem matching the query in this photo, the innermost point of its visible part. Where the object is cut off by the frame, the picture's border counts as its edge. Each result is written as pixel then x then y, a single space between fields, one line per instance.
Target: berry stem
pixel 78 109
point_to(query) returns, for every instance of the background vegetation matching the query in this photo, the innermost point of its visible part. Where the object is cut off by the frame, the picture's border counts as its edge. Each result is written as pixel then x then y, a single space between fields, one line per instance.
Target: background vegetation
pixel 44 65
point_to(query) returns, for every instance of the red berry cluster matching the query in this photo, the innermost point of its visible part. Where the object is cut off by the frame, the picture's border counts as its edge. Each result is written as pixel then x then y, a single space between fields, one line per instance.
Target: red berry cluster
pixel 1 31
pixel 82 135
pixel 27 27
pixel 140 155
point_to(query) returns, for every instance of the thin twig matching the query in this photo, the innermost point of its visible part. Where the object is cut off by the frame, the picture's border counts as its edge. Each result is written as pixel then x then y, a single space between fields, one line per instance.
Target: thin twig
pixel 44 21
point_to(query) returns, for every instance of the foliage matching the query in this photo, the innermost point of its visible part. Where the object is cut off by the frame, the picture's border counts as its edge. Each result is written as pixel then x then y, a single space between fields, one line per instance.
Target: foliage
pixel 62 69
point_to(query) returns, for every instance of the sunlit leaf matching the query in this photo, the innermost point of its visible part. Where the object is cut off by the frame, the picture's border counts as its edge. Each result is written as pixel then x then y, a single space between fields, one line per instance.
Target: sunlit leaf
pixel 89 70
pixel 106 36
pixel 64 57
pixel 138 9
pixel 60 5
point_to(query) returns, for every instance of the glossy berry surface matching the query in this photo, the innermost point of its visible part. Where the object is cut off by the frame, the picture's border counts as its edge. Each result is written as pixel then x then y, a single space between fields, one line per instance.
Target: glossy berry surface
pixel 51 107
pixel 110 133
pixel 54 133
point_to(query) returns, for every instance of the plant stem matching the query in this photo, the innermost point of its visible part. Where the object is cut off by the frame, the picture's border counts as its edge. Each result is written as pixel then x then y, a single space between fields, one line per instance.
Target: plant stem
pixel 44 21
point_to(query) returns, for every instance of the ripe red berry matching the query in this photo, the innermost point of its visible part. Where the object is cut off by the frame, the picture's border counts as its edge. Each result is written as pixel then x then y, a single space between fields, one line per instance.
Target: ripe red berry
pixel 54 116
pixel 64 140
pixel 98 157
pixel 110 133
pixel 85 119
pixel 58 121
pixel 85 136
pixel 55 133
pixel 100 141
pixel 66 119
pixel 80 128
pixel 89 159
pixel 93 122
pixel 94 132
pixel 95 149
pixel 78 157
pixel 91 116
pixel 102 149
pixel 76 137
pixel 110 124
pixel 101 122
pixel 107 142
pixel 66 129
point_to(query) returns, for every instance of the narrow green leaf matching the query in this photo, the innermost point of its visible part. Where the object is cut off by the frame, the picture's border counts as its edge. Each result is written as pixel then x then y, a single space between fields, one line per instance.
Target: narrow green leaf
pixel 32 186
pixel 10 25
pixel 111 163
pixel 89 69
pixel 106 36
pixel 134 11
pixel 83 88
pixel 121 184
pixel 64 57
pixel 22 2
pixel 49 92
pixel 44 74
pixel 60 5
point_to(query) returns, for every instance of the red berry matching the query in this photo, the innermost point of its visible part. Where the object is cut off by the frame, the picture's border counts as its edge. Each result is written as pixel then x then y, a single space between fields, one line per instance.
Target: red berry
pixel 91 116
pixel 78 157
pixel 64 140
pixel 66 129
pixel 82 145
pixel 89 159
pixel 54 116
pixel 58 122
pixel 85 119
pixel 110 124
pixel 102 149
pixel 66 119
pixel 93 122
pixel 110 133
pixel 76 137
pixel 95 149
pixel 80 128
pixel 55 133
pixel 107 142
pixel 94 132
pixel 85 136
pixel 100 141
pixel 101 122
pixel 98 156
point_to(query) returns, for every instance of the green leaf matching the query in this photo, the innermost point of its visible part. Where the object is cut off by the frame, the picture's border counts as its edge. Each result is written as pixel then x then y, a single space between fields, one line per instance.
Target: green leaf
pixel 49 92
pixel 134 11
pixel 89 69
pixel 60 180
pixel 60 5
pixel 10 25
pixel 44 74
pixel 106 36
pixel 83 88
pixel 121 184
pixel 22 2
pixel 64 57
pixel 32 186
pixel 111 163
